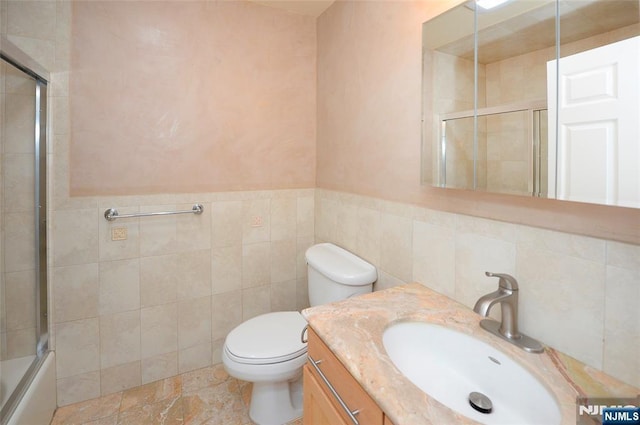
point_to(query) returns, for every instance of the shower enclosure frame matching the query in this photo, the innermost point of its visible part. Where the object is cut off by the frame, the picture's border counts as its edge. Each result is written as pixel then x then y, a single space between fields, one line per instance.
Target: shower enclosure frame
pixel 16 58
pixel 533 109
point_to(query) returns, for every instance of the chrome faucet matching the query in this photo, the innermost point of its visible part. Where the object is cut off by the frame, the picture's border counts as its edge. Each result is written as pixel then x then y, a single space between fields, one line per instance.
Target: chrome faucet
pixel 507 296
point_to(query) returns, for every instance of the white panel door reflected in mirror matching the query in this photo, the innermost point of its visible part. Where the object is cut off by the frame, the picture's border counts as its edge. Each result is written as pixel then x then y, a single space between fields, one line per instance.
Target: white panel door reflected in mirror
pixel 598 149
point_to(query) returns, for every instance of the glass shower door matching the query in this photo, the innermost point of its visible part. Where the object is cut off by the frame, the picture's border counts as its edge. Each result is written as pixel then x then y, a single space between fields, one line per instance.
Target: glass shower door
pixel 23 324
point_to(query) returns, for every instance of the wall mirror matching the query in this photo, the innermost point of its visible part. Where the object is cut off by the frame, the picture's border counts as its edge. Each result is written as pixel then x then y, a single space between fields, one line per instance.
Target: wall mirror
pixel 537 98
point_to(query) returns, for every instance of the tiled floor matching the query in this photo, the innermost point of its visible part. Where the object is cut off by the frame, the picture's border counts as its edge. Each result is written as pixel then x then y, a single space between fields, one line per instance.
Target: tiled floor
pixel 206 396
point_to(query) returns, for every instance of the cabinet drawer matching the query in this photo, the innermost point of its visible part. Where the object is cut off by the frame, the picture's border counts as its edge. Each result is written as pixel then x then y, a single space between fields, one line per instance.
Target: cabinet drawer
pixel 347 388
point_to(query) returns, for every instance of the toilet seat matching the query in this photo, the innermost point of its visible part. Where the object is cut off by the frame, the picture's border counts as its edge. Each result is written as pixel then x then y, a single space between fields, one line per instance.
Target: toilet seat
pixel 267 339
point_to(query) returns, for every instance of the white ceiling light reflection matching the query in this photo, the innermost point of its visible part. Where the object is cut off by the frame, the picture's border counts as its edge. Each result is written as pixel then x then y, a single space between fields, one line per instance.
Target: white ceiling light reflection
pixel 490 4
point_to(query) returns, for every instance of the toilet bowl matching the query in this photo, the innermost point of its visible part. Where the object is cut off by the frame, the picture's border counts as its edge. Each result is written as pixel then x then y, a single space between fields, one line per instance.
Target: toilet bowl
pixel 268 349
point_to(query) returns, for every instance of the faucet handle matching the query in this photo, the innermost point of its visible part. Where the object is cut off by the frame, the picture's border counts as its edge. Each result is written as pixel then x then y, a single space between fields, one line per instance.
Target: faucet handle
pixel 506 281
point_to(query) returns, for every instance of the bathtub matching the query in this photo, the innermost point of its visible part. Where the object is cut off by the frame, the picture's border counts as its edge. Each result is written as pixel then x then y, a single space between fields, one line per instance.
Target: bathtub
pixel 11 371
pixel 38 402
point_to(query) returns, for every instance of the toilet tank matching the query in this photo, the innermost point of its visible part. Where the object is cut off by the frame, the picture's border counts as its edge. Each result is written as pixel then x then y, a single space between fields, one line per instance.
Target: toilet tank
pixel 336 274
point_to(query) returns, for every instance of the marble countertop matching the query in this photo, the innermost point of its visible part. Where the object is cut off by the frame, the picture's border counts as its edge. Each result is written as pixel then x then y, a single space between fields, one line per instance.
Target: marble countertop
pixel 353 331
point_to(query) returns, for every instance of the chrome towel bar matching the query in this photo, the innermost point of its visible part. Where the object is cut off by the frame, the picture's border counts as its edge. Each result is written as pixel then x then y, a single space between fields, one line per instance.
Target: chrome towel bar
pixel 112 214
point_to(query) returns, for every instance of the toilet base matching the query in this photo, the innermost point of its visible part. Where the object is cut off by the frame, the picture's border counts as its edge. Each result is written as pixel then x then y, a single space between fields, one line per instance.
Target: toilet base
pixel 276 403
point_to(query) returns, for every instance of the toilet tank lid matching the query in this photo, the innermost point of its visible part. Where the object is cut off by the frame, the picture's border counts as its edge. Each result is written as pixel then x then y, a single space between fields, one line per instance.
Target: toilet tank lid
pixel 340 265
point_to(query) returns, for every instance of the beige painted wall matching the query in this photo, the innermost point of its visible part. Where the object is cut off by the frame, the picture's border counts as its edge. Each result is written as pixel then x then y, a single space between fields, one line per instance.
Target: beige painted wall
pixel 190 97
pixel 369 112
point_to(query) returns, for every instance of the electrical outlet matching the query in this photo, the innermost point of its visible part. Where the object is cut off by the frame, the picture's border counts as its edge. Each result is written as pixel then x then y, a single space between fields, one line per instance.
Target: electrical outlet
pixel 118 233
pixel 256 221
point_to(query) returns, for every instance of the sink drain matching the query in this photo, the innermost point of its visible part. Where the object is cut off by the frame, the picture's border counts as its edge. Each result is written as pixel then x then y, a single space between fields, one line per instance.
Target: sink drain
pixel 480 402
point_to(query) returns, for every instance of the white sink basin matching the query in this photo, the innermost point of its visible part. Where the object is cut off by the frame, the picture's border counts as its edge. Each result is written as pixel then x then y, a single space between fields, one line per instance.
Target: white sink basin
pixel 449 365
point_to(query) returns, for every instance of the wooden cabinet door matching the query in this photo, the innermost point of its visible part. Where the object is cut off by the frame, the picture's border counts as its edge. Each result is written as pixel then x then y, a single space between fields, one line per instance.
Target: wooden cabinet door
pixel 348 389
pixel 318 408
pixel 340 395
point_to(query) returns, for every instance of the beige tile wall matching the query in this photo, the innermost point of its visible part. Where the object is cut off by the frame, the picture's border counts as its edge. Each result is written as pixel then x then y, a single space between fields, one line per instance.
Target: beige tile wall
pixel 577 294
pixel 506 160
pixel 161 302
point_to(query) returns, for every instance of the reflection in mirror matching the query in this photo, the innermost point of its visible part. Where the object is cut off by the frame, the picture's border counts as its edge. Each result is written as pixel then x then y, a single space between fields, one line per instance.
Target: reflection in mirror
pixel 456 151
pixel 508 151
pixel 597 154
pixel 513 145
pixel 513 50
pixel 448 86
pixel 509 142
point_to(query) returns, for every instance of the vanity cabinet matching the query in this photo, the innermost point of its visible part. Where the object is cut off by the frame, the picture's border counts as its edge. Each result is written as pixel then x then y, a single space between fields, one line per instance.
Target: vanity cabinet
pixel 319 409
pixel 321 405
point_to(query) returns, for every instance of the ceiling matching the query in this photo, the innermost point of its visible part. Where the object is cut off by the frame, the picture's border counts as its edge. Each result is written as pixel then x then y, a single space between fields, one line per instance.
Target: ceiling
pixel 304 7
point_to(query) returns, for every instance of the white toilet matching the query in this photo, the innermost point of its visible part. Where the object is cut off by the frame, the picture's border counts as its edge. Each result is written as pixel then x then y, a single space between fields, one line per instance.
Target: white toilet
pixel 268 349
